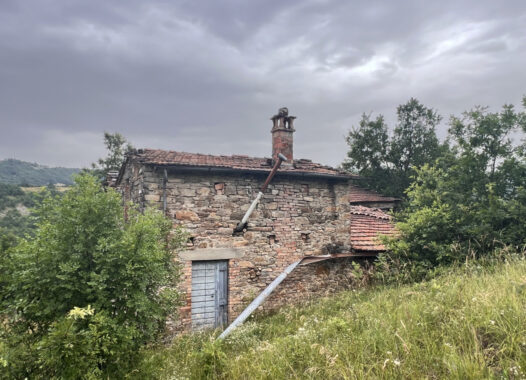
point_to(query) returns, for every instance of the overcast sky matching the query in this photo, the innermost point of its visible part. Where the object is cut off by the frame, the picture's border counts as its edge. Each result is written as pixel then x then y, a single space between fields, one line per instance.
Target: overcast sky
pixel 206 76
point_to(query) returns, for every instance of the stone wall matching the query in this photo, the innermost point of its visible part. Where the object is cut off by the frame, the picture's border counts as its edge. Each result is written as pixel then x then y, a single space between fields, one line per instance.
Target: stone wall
pixel 296 217
pixel 319 279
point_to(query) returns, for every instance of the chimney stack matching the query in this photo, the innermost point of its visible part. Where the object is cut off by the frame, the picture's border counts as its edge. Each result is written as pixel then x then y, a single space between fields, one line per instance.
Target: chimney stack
pixel 282 130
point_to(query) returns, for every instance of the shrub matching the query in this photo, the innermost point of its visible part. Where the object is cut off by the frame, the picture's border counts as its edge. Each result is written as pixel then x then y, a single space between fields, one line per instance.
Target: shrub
pixel 86 257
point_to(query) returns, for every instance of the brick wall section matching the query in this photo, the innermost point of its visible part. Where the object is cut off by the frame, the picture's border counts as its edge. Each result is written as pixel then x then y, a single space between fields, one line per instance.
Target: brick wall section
pixel 317 279
pixel 282 142
pixel 296 217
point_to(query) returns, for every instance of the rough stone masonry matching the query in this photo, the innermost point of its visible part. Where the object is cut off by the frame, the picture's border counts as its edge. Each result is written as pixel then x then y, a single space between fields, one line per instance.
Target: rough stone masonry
pixel 306 210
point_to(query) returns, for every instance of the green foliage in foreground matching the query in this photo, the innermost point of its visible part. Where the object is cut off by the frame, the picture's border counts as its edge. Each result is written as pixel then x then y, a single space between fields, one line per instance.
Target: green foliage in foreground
pixel 89 290
pixel 18 172
pixel 469 323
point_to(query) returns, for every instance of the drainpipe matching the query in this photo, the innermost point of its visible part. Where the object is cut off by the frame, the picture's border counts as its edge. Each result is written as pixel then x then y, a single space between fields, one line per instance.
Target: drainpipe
pixel 259 300
pixel 241 225
pixel 274 284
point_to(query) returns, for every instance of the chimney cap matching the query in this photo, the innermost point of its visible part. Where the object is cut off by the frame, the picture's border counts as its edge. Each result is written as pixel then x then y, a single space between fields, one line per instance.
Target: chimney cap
pixel 283 112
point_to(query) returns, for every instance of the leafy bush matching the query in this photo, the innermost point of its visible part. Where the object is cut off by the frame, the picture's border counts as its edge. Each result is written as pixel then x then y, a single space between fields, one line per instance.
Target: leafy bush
pixel 86 256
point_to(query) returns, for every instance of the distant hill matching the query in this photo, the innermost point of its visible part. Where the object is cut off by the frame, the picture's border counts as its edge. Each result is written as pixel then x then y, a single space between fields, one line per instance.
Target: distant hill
pixel 18 172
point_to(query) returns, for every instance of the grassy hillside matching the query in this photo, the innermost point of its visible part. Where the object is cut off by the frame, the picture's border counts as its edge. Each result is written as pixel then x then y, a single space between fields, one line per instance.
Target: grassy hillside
pixel 468 324
pixel 25 173
pixel 14 209
pixel 16 204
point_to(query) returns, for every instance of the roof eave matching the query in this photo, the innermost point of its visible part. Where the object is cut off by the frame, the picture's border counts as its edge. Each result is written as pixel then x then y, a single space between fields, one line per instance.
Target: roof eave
pixel 220 169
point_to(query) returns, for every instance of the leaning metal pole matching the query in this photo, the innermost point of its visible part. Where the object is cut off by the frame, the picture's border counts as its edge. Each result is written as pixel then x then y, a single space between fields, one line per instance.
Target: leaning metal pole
pixel 258 300
pixel 241 225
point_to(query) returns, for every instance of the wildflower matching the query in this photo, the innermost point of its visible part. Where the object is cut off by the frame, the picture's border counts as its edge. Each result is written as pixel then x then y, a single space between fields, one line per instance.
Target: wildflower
pixel 448 345
pixel 80 313
pixel 396 362
pixel 492 321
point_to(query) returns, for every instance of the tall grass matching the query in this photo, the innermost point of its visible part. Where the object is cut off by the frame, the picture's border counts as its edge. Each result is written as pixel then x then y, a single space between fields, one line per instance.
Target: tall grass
pixel 466 324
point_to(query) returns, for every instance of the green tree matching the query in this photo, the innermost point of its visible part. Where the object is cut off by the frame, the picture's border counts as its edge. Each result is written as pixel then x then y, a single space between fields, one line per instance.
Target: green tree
pixel 473 199
pixel 389 163
pixel 117 147
pixel 368 144
pixel 86 256
pixel 368 152
pixel 414 141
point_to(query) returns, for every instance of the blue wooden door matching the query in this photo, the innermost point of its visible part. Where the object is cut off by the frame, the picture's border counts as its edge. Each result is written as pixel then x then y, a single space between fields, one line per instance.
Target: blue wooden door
pixel 221 293
pixel 209 294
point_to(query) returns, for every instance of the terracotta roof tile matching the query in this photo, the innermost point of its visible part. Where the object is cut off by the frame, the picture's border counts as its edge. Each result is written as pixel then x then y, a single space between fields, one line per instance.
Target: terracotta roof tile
pixel 366 226
pixel 360 195
pixel 236 162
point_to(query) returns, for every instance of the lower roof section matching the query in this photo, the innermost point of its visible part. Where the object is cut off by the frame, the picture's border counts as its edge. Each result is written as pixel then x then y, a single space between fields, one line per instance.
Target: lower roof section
pixel 367 227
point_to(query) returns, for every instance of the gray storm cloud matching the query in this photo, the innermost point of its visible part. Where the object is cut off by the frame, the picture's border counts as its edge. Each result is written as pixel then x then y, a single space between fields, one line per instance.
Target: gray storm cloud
pixel 205 76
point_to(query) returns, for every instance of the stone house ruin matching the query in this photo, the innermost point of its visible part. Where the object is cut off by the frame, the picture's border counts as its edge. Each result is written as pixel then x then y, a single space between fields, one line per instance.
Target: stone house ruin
pixel 308 210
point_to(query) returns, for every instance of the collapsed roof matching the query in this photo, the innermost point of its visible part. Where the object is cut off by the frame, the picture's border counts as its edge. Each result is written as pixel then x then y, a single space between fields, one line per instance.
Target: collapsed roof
pixel 234 163
pixel 360 195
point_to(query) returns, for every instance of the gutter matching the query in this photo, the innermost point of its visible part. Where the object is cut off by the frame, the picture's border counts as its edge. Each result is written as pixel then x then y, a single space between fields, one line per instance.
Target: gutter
pixel 274 284
pixel 259 300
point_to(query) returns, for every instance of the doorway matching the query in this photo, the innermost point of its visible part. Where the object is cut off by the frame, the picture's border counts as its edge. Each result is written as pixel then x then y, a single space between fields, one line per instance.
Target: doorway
pixel 209 294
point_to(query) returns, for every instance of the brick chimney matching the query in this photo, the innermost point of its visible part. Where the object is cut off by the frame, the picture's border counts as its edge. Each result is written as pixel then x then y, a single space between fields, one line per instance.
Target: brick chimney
pixel 282 130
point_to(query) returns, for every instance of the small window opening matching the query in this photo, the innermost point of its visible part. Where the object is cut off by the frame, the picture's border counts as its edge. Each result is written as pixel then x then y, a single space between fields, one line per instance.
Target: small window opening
pixel 219 187
pixel 305 237
pixel 190 242
pixel 272 239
